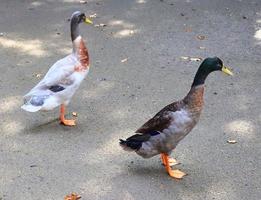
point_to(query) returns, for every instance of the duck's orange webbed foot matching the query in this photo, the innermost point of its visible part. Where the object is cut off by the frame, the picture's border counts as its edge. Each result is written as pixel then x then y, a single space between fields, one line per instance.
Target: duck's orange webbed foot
pixel 177 174
pixel 66 122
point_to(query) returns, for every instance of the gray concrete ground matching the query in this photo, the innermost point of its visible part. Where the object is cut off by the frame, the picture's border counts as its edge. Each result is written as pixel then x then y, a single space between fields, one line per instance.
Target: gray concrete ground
pixel 40 159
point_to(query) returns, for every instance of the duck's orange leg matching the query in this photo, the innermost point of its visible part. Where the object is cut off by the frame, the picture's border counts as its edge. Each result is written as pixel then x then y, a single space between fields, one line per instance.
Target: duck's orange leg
pixel 172 161
pixel 162 159
pixel 66 122
pixel 173 173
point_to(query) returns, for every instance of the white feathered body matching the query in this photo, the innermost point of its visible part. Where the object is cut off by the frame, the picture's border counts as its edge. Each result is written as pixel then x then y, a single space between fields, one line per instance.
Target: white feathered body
pixel 60 82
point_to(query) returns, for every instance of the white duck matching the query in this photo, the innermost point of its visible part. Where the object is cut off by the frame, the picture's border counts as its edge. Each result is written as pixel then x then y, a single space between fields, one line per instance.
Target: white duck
pixel 63 78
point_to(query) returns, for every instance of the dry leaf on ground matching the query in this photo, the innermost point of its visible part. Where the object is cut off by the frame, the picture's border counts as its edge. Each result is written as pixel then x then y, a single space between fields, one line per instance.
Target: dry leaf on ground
pixel 72 196
pixel 38 75
pixel 195 59
pixel 188 29
pixel 201 37
pixel 93 15
pixel 231 141
pixel 100 25
pixel 124 60
pixel 83 2
pixel 187 58
pixel 162 186
pixel 184 57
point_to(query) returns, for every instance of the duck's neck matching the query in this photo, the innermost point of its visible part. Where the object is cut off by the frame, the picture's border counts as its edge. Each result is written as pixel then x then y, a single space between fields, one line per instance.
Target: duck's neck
pixel 200 77
pixel 194 99
pixel 79 48
pixel 75 32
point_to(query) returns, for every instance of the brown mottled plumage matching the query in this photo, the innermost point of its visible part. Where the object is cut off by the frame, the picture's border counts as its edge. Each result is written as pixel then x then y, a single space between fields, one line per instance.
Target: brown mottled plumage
pixel 83 54
pixel 162 133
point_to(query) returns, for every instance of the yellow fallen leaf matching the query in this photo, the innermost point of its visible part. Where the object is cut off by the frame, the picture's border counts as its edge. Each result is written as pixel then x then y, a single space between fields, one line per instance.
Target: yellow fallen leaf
pixel 72 196
pixel 231 141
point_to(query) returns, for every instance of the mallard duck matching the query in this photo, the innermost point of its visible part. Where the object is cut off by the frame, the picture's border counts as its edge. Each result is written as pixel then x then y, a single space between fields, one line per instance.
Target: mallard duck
pixel 162 133
pixel 63 78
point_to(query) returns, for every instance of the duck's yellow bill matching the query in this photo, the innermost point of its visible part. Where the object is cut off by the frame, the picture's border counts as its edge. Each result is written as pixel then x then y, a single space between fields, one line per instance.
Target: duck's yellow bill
pixel 88 21
pixel 227 71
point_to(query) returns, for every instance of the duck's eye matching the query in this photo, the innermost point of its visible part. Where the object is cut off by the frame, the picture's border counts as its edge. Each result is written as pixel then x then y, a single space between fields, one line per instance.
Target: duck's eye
pixel 82 16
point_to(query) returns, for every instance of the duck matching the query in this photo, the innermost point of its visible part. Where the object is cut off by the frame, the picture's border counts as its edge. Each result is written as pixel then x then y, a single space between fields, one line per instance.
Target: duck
pixel 63 78
pixel 161 134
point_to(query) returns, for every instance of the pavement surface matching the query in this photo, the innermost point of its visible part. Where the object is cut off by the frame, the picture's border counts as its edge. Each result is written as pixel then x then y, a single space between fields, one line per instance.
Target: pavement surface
pixel 40 159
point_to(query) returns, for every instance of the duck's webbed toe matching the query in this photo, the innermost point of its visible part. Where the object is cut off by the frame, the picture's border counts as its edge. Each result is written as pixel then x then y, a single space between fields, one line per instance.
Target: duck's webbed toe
pixel 175 173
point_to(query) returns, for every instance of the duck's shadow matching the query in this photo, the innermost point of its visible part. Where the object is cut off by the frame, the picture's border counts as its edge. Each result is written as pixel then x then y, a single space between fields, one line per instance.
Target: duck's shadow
pixel 144 171
pixel 51 126
pixel 193 176
pixel 155 171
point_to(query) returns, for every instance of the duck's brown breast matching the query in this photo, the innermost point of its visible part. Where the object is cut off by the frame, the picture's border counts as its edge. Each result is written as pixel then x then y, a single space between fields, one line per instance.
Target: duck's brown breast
pixel 83 54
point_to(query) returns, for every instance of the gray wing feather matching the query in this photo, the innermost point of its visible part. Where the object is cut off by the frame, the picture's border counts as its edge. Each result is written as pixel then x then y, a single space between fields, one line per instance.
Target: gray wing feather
pixel 36 100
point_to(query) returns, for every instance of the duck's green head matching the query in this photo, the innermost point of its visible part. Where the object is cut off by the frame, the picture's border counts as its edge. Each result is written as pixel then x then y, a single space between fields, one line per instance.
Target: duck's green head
pixel 79 17
pixel 214 64
pixel 207 66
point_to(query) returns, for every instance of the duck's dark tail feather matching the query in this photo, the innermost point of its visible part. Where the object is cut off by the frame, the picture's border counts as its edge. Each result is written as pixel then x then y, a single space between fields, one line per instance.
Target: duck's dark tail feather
pixel 134 142
pixel 130 145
